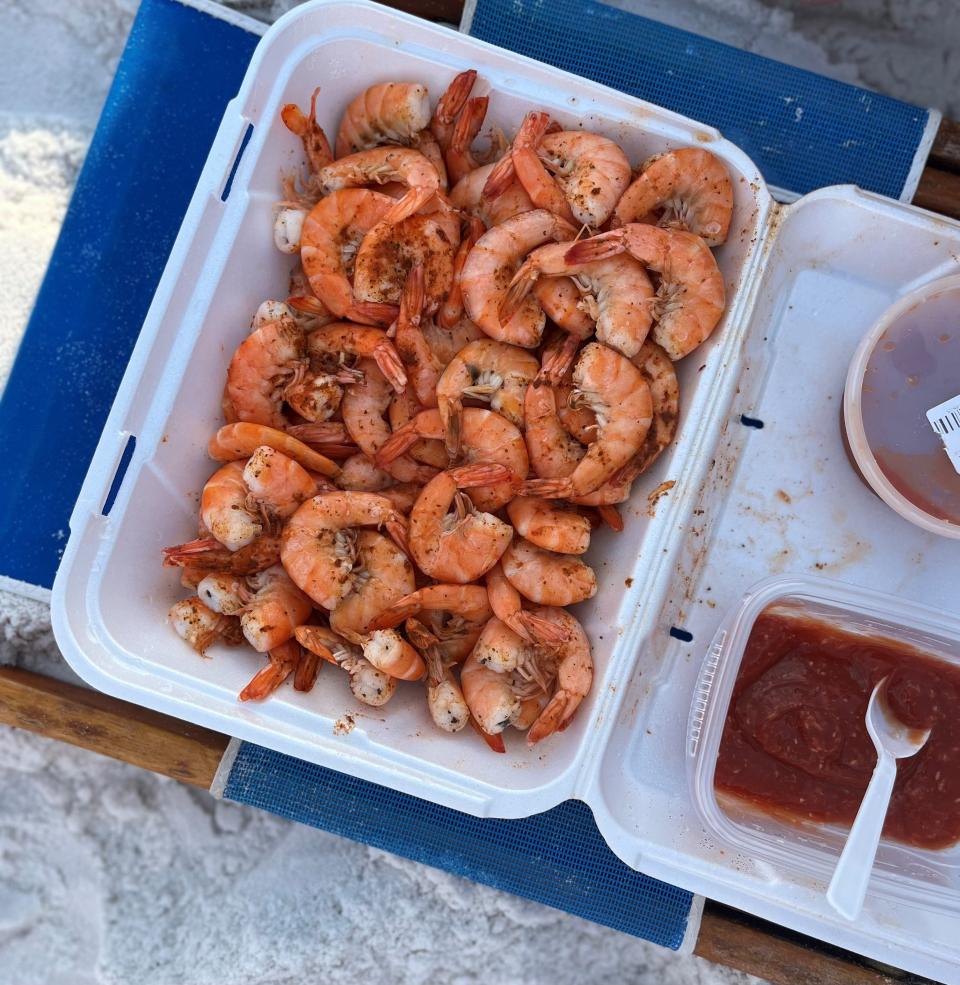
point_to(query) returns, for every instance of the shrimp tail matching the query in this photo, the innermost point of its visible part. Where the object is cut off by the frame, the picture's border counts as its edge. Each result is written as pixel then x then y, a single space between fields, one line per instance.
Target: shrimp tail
pixel 283 662
pixel 495 742
pixel 451 311
pixel 542 630
pixel 520 287
pixel 611 517
pixel 309 638
pixel 294 119
pixel 307 305
pixel 557 363
pixel 547 488
pixel 182 555
pixel 480 474
pixel 598 247
pixel 399 442
pixel 308 667
pixel 372 313
pixel 393 615
pixel 500 178
pixel 453 436
pixel 552 719
pixel 412 201
pixel 397 528
pixel 453 100
pixel 388 360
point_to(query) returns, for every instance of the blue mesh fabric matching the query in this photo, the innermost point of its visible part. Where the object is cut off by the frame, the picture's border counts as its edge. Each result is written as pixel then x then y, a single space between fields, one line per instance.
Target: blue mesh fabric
pixel 557 857
pixel 802 130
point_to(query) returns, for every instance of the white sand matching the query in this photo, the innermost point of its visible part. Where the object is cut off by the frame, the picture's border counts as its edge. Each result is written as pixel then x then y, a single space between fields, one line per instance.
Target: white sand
pixel 111 874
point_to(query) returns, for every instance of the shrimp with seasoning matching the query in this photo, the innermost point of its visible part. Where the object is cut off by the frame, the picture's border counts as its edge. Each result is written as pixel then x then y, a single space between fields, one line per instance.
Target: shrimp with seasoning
pixel 462 546
pixel 265 364
pixel 200 626
pixel 468 604
pixel 690 298
pixel 276 483
pixel 364 341
pixel 450 313
pixel 616 391
pixel 387 113
pixel 459 157
pixel 283 661
pixel 545 577
pixel 332 233
pixel 507 605
pixel 390 250
pixel 364 407
pixel 206 554
pixel 549 525
pixel 489 696
pixel 484 370
pixel 445 700
pixel 241 440
pixel 581 175
pixel 317 547
pixel 385 164
pixel 446 343
pixel 574 676
pixel 467 196
pixel 388 651
pixel 449 105
pixel 224 510
pixel 371 686
pixel 553 451
pixel 617 293
pixel 490 267
pixel 316 147
pixel 403 409
pixel 689 189
pixel 423 367
pixel 276 607
pixel 379 574
pixel 485 436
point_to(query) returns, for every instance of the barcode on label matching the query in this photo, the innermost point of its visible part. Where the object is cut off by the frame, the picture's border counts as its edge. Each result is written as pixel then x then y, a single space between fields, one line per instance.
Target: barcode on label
pixel 945 421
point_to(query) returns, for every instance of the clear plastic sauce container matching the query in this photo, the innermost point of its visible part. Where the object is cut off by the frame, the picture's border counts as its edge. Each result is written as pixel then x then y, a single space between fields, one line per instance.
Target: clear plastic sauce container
pixel 906 365
pixel 756 830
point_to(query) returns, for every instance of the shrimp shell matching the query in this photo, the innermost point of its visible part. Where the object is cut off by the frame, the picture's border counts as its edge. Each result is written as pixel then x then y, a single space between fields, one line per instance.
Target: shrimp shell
pixel 387 113
pixel 545 577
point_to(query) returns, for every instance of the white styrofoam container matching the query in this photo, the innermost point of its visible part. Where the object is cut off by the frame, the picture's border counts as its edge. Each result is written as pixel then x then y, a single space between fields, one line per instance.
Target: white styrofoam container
pixel 826 265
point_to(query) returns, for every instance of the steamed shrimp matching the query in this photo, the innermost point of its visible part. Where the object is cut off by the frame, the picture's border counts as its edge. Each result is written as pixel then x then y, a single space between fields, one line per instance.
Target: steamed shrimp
pixel 690 298
pixel 485 436
pixel 276 483
pixel 553 451
pixel 368 684
pixel 423 367
pixel 262 367
pixel 241 440
pixel 616 391
pixel 462 546
pixel 274 610
pixel 574 676
pixel 387 113
pixel 200 626
pixel 364 341
pixel 467 196
pixel 489 696
pixel 206 554
pixel 388 651
pixel 331 235
pixel 490 267
pixel 689 189
pixel 381 165
pixel 450 312
pixel 364 407
pixel 317 548
pixel 459 157
pixel 283 660
pixel 449 105
pixel 617 293
pixel 224 510
pixel 545 577
pixel 468 603
pixel 316 147
pixel 484 370
pixel 390 250
pixel 507 605
pixel 549 525
pixel 380 573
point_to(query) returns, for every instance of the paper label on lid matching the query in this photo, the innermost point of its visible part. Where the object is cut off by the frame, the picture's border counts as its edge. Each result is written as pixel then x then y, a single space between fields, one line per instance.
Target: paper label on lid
pixel 945 420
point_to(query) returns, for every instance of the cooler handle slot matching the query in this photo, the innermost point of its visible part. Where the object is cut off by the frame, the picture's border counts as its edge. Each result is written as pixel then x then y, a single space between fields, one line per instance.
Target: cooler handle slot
pixel 118 476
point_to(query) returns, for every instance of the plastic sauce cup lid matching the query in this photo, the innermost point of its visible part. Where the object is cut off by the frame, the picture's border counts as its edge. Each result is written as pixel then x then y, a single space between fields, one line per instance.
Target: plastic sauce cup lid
pixel 906 365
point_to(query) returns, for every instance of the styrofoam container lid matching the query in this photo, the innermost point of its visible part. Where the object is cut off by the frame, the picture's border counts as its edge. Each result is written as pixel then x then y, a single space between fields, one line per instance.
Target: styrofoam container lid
pixel 907 365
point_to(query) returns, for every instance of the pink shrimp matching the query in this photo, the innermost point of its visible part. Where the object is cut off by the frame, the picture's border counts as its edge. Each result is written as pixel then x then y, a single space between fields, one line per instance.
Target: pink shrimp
pixel 549 525
pixel 449 106
pixel 283 661
pixel 459 158
pixel 200 626
pixel 545 577
pixel 423 367
pixel 507 605
pixel 315 143
pixel 451 310
pixel 332 234
pixel 689 189
pixel 241 440
pixel 690 298
pixel 364 341
pixel 490 267
pixel 463 546
pixel 275 609
pixel 387 113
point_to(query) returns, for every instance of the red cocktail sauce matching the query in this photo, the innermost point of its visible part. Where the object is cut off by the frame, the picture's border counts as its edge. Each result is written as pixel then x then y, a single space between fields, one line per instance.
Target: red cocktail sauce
pixel 795 743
